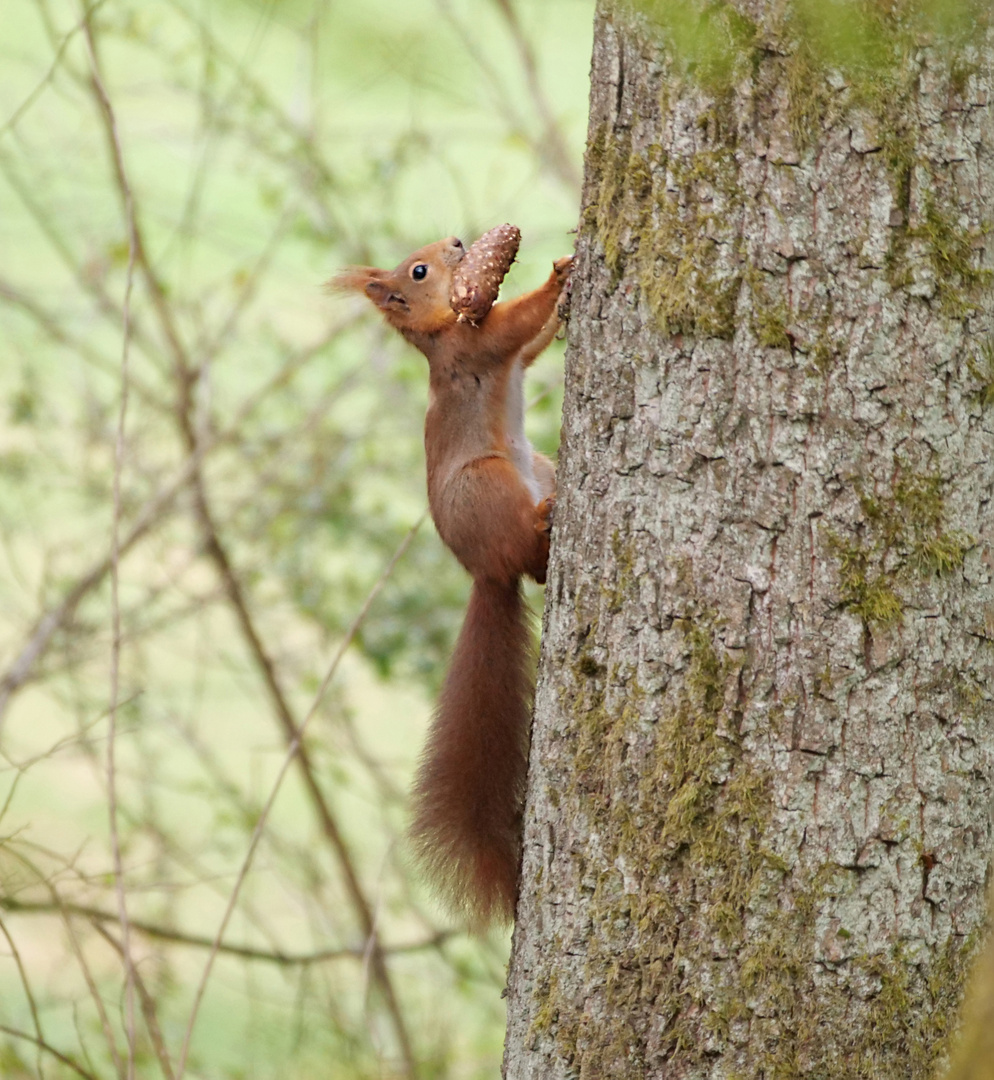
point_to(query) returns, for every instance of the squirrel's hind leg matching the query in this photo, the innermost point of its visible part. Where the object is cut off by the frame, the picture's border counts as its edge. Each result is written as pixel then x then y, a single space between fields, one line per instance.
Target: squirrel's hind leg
pixel 488 518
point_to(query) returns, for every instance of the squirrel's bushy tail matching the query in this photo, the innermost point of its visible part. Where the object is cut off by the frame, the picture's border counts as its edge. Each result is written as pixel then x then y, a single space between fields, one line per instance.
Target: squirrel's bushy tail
pixel 469 789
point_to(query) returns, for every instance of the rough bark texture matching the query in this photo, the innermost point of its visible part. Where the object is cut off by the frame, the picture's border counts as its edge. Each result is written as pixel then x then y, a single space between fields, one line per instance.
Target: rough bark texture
pixel 759 820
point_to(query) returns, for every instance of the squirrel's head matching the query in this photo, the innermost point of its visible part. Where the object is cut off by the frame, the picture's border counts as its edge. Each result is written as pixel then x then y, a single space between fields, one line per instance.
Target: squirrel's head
pixel 415 295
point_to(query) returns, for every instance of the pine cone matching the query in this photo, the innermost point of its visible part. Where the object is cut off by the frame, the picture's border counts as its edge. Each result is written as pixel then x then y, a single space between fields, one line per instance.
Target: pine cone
pixel 477 278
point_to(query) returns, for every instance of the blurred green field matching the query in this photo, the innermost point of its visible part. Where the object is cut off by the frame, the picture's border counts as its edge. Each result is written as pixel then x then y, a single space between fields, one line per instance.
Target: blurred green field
pixel 266 144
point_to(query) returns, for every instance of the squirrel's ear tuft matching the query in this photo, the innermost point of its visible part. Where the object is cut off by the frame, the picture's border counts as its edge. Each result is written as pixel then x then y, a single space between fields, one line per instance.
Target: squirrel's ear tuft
pixel 375 284
pixel 352 279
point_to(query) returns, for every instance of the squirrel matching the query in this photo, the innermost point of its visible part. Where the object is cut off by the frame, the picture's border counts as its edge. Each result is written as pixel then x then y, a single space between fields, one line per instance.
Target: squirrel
pixel 491 498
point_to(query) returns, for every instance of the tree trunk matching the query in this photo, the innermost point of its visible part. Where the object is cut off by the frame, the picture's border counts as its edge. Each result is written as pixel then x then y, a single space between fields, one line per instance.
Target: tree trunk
pixel 759 819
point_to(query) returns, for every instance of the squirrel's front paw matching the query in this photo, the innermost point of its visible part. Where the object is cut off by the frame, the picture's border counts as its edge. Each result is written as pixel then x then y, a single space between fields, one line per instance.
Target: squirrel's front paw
pixel 543 525
pixel 563 268
pixel 545 510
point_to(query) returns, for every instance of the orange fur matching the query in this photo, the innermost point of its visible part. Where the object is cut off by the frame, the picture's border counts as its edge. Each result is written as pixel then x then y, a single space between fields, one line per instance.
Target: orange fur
pixel 491 498
pixel 469 787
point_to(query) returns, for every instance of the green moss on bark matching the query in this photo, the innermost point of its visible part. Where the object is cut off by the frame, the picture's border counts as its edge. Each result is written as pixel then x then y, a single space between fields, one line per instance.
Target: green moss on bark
pixel 769 316
pixel 905 1037
pixel 950 256
pixel 981 367
pixel 698 931
pixel 870 51
pixel 691 927
pixel 714 44
pixel 697 821
pixel 660 224
pixel 904 535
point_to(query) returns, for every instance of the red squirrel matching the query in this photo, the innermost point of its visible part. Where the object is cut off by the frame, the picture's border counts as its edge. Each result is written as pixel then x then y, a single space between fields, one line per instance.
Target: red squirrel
pixel 491 498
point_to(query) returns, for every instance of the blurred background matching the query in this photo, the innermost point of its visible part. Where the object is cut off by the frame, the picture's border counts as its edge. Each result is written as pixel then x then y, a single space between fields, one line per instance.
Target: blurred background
pixel 177 179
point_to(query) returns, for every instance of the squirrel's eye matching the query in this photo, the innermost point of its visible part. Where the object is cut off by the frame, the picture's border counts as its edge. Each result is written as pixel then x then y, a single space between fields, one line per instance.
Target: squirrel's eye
pixel 419 272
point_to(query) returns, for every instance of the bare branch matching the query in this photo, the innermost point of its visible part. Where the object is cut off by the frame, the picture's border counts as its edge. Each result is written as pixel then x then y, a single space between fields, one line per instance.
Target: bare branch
pixel 304 147
pixel 89 284
pixel 100 91
pixel 277 957
pixel 151 514
pixel 49 1049
pixel 147 1001
pixel 25 983
pixel 184 376
pixel 547 147
pixel 77 950
pixel 12 121
pixel 297 749
pixel 50 324
pixel 556 151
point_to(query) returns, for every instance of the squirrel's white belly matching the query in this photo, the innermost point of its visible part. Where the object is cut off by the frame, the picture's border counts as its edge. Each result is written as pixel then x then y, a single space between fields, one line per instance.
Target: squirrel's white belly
pixel 518 447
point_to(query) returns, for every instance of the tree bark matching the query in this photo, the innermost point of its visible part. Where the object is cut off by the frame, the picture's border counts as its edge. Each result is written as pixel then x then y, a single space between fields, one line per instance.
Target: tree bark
pixel 759 815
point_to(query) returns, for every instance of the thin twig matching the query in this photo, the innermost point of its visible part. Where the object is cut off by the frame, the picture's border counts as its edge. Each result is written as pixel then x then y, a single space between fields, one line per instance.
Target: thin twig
pixel 556 151
pixel 249 287
pixel 74 944
pixel 49 1049
pixel 15 116
pixel 303 145
pixel 90 285
pixel 114 136
pixel 277 957
pixel 48 322
pixel 39 638
pixel 23 975
pixel 147 1003
pixel 547 147
pixel 295 748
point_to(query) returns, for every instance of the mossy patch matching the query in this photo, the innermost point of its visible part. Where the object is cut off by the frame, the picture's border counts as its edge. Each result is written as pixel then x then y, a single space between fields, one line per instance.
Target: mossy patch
pixel 912 1013
pixel 624 551
pixel 981 367
pixel 808 96
pixel 661 224
pixel 839 57
pixel 769 316
pixel 872 47
pixel 951 253
pixel 697 821
pixel 714 44
pixel 904 535
pixel 697 930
